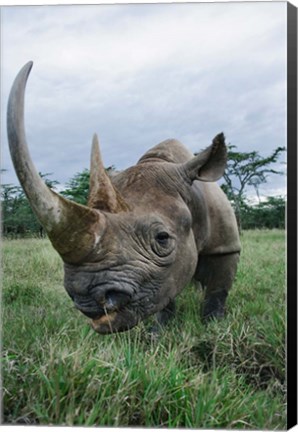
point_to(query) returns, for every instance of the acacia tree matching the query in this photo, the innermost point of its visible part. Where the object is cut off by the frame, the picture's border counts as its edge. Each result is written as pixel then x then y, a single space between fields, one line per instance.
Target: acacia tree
pixel 247 169
pixel 78 186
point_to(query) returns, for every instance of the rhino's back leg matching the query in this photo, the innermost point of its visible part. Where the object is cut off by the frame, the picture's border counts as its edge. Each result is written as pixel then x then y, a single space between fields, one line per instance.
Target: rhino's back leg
pixel 216 274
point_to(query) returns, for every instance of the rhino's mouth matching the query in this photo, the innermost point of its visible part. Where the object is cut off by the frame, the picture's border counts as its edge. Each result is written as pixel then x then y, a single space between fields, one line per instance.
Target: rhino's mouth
pixel 103 322
pixel 126 315
pixel 114 322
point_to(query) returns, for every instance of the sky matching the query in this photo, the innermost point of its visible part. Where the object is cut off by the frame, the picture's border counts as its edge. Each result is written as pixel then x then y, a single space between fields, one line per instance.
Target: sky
pixel 137 74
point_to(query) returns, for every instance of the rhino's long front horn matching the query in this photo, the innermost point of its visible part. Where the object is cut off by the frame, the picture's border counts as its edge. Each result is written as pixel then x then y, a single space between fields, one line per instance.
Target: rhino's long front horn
pixel 72 228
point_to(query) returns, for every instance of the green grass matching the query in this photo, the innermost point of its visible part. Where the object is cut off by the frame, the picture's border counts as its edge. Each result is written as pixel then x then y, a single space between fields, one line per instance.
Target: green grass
pixel 231 374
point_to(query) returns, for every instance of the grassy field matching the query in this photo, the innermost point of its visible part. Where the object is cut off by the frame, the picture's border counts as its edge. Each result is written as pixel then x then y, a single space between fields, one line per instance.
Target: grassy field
pixel 57 371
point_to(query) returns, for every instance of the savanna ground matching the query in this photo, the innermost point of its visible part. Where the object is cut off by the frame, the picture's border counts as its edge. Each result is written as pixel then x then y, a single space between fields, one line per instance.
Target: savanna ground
pixel 57 371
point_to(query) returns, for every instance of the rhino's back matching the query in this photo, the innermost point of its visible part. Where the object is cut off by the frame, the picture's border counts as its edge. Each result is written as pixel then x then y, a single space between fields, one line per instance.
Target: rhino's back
pixel 170 150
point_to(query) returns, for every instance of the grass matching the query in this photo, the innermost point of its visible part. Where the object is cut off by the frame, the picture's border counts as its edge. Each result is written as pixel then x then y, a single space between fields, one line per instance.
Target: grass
pixel 231 374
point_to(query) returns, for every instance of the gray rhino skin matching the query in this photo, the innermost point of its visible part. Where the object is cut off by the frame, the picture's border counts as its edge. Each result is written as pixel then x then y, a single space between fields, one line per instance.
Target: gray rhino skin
pixel 145 233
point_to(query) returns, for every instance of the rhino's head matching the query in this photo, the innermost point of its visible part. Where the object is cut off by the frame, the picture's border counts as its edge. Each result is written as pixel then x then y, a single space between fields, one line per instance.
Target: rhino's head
pixel 126 255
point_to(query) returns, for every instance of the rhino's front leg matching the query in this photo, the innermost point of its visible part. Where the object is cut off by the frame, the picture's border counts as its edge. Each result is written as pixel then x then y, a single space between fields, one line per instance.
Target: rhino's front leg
pixel 216 274
pixel 163 317
pixel 166 314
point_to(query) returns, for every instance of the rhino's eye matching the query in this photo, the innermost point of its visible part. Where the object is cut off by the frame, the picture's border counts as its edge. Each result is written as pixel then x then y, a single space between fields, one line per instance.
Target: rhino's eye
pixel 163 243
pixel 162 238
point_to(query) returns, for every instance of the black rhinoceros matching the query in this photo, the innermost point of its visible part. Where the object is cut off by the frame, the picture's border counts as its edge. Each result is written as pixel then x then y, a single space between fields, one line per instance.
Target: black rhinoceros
pixel 145 233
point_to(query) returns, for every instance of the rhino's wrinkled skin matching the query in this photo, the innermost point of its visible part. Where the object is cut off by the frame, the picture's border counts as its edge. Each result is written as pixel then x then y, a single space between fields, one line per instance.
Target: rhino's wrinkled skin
pixel 145 233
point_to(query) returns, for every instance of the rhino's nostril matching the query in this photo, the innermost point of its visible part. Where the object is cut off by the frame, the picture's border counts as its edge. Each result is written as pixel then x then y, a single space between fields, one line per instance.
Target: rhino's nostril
pixel 115 300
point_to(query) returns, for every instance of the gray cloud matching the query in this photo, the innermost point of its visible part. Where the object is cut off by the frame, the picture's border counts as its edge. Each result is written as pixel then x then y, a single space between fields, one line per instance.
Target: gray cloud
pixel 138 74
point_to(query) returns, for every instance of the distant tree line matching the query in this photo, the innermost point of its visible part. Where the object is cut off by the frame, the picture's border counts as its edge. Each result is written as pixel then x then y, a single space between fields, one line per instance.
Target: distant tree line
pixel 243 170
pixel 18 219
pixel 266 214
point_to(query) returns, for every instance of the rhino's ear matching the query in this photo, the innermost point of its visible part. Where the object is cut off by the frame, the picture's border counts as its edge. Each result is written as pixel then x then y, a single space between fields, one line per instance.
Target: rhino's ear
pixel 208 165
pixel 102 194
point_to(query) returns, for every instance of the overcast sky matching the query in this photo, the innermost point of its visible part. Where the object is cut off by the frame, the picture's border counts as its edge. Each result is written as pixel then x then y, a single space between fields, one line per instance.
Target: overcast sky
pixel 139 74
